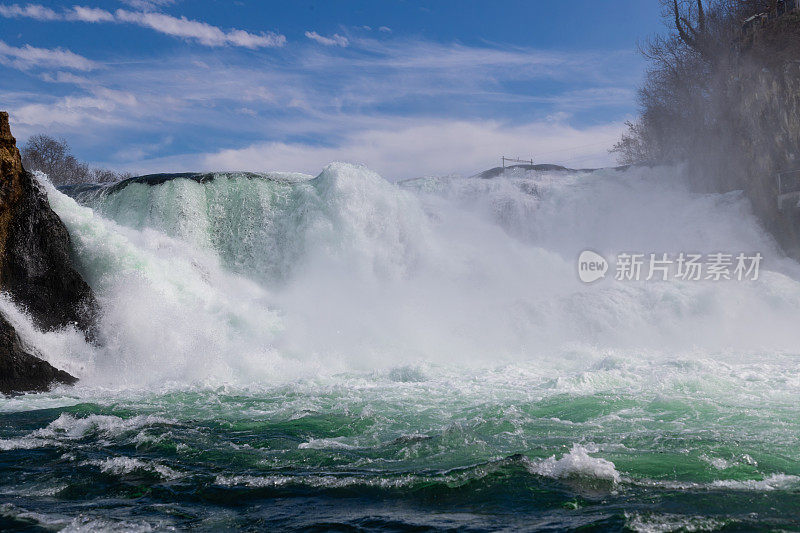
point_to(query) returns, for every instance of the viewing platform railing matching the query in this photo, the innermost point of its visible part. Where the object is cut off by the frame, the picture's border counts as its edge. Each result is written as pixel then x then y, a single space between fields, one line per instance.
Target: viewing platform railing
pixel 505 160
pixel 788 188
pixel 788 181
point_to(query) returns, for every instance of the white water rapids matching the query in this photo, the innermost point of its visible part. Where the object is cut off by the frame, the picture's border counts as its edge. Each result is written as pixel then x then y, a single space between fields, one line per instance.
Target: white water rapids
pixel 246 281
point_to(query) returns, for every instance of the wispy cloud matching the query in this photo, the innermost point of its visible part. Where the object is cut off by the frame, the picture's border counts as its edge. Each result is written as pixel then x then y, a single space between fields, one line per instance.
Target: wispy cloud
pixel 27 57
pixel 404 107
pixel 402 148
pixel 32 11
pixel 89 14
pixel 333 40
pixel 103 106
pixel 201 32
pixel 148 4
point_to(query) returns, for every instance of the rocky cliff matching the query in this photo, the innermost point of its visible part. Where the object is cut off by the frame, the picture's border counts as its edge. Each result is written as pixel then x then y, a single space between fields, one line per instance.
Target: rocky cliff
pixel 35 270
pixel 20 370
pixel 35 265
pixel 749 130
pixel 722 97
pixel 768 100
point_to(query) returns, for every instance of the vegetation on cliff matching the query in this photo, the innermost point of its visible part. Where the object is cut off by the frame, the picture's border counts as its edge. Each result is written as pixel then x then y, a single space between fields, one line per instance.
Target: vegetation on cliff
pixel 54 157
pixel 722 95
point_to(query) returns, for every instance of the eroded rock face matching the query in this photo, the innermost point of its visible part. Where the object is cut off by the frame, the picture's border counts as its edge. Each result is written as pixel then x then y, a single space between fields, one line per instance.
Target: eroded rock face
pixel 36 271
pixel 20 371
pixel 35 265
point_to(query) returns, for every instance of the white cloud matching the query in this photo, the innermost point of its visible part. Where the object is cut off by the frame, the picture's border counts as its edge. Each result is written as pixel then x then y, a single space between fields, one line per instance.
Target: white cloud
pixel 333 40
pixel 385 29
pixel 202 32
pixel 436 56
pixel 33 11
pixel 27 57
pixel 139 151
pixel 148 4
pixel 256 94
pixel 403 148
pixel 182 27
pixel 67 77
pixel 396 109
pixel 460 76
pixel 89 14
pixel 102 106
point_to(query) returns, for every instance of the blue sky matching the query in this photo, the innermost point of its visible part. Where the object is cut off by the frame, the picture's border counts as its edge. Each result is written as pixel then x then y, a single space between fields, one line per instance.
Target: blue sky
pixel 409 88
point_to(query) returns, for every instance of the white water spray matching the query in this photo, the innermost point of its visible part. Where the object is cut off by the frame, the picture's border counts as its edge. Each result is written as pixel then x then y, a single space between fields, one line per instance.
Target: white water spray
pixel 245 281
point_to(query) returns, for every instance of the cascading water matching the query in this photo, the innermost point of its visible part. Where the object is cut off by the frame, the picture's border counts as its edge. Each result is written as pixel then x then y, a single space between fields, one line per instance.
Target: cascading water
pixel 345 341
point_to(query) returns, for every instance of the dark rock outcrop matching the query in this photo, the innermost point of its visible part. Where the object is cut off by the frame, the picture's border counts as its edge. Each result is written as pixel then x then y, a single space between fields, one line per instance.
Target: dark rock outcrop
pixel 20 371
pixel 35 265
pixel 35 270
pixel 499 171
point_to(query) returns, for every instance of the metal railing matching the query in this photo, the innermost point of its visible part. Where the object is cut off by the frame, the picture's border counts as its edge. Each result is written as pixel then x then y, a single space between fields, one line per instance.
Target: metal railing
pixel 505 160
pixel 788 181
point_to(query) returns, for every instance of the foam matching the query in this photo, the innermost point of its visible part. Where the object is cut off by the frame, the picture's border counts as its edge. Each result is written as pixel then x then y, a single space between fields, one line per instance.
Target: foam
pixel 82 523
pixel 70 428
pixel 126 465
pixel 326 444
pixel 664 523
pixel 577 463
pixel 771 482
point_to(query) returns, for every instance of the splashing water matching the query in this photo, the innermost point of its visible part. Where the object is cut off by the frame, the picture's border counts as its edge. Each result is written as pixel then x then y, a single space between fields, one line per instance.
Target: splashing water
pixel 421 353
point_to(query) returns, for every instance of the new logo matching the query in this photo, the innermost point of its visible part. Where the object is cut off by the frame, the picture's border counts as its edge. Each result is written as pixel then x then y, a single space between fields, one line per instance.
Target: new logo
pixel 591 266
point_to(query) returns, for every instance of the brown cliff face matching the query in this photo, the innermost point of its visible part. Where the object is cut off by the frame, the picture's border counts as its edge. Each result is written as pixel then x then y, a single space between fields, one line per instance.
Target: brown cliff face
pixel 36 271
pixel 10 171
pixel 35 264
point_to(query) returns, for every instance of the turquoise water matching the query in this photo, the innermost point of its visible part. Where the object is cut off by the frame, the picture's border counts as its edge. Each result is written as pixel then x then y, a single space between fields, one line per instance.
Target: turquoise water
pixel 341 353
pixel 415 447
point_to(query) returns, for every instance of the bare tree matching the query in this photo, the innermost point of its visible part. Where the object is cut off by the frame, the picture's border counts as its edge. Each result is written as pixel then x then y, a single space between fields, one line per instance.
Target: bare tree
pixel 680 97
pixel 53 157
pixel 104 175
pixel 689 19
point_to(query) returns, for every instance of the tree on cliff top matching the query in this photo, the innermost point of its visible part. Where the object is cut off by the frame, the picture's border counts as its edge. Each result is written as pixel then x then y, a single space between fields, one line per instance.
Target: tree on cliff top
pixel 53 157
pixel 684 100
